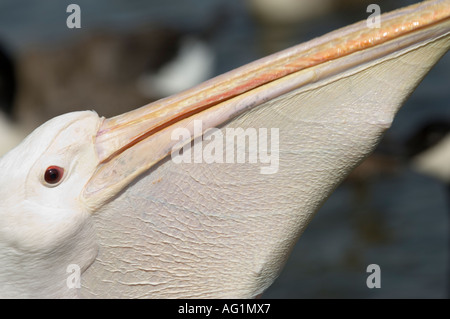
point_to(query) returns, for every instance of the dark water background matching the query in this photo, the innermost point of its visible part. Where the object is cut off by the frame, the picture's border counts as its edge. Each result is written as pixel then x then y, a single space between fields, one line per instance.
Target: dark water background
pixel 398 221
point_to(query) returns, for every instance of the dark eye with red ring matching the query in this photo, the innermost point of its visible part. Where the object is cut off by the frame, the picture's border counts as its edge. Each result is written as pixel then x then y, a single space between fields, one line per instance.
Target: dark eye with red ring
pixel 53 175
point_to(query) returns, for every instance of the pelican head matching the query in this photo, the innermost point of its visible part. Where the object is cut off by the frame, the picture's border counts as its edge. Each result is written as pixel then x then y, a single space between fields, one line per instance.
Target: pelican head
pixel 105 196
pixel 44 217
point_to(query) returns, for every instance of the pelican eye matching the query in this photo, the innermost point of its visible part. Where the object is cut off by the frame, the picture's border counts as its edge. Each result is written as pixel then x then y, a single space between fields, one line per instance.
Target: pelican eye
pixel 53 175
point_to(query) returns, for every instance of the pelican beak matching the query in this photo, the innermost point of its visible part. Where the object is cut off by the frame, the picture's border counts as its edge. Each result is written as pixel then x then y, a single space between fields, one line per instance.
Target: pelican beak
pixel 130 144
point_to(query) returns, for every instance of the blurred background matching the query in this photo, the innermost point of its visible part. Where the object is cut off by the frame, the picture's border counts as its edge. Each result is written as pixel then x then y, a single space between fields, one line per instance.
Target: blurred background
pixel 129 53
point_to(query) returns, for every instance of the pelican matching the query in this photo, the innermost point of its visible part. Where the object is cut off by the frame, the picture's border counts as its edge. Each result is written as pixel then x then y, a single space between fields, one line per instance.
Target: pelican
pixel 109 199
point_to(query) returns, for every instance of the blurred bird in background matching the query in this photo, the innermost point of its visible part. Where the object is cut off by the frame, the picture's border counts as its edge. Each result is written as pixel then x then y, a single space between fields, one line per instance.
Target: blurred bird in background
pixel 112 71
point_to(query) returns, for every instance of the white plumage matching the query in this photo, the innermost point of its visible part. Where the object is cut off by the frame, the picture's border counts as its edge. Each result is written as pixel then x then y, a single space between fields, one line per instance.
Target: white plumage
pixel 139 225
